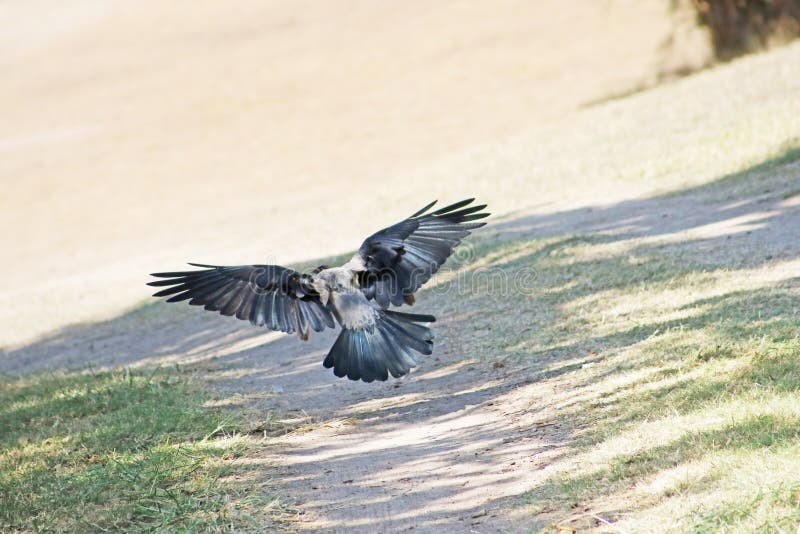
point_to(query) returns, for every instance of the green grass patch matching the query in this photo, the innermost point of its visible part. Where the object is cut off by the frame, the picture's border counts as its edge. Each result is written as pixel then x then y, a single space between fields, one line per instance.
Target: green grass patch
pixel 122 451
pixel 661 362
pixel 672 368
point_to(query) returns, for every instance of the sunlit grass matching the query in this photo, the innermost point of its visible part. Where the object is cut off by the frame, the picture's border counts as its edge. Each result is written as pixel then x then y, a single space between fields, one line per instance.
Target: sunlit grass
pixel 122 451
pixel 693 373
pixel 674 363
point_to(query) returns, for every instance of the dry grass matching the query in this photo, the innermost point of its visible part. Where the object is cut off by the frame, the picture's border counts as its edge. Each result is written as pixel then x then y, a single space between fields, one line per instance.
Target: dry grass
pixel 224 121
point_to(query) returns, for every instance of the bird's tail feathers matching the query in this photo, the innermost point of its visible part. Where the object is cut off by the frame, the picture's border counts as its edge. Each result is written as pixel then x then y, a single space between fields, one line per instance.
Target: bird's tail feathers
pixel 387 347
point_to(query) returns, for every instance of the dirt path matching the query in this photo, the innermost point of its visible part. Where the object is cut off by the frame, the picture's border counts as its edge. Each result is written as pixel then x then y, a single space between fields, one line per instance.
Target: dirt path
pixel 438 448
pixel 442 448
pixel 450 448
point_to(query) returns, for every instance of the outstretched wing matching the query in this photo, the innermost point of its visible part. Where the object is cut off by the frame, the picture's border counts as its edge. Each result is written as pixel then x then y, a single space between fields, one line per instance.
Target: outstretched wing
pixel 399 259
pixel 267 295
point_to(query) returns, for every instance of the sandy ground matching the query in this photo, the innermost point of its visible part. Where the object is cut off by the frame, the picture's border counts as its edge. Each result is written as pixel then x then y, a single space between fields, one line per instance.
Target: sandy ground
pixel 139 135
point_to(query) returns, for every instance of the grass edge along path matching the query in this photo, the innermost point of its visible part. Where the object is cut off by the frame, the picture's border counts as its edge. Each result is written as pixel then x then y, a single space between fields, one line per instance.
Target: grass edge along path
pixel 126 450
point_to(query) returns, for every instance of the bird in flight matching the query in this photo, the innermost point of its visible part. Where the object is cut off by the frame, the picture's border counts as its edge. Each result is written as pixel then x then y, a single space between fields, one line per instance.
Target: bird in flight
pixel 389 267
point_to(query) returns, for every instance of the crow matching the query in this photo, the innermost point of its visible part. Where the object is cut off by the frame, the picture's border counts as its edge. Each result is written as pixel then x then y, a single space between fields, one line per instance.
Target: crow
pixel 389 267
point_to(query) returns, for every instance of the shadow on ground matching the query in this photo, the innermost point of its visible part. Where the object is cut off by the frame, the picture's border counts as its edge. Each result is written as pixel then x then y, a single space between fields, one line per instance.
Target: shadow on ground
pixel 473 429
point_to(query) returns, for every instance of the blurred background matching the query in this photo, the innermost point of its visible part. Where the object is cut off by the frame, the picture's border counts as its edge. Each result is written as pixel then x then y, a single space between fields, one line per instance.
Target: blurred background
pixel 140 135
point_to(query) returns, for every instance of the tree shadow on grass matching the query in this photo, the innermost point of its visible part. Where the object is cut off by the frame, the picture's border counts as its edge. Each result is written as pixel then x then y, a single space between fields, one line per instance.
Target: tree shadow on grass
pixel 755 204
pixel 477 437
pixel 618 475
pixel 765 350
